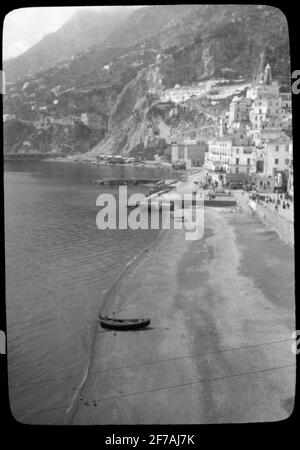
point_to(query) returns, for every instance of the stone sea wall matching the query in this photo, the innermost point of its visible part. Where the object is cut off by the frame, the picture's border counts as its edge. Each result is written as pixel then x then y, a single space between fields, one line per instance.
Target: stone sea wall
pixel 283 226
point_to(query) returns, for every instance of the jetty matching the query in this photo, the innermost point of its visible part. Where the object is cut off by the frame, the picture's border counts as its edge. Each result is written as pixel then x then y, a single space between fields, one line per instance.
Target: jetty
pixel 220 202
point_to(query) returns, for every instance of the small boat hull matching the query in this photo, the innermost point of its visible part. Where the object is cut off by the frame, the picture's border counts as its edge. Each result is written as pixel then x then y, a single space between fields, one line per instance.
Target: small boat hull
pixel 123 324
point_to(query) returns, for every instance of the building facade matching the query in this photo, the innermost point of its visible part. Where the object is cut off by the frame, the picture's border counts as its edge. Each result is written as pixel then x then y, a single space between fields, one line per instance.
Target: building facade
pixel 286 100
pixel 276 155
pixel 180 94
pixel 234 153
pixel 219 155
pixel 290 186
pixel 190 151
pixel 91 120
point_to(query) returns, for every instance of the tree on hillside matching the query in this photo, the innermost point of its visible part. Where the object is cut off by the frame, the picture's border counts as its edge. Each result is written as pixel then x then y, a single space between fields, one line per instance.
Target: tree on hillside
pixel 137 151
pixel 15 132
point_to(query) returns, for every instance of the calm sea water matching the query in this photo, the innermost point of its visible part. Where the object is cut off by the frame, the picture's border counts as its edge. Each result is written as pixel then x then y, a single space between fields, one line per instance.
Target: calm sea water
pixel 57 266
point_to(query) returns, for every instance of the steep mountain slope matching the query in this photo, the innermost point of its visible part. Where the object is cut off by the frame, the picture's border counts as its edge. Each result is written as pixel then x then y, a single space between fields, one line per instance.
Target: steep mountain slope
pixel 156 48
pixel 85 29
pixel 178 28
pixel 207 41
pixel 146 23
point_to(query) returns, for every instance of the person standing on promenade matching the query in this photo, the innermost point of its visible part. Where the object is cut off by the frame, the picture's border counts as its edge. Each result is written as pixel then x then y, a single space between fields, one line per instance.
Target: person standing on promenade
pixel 252 206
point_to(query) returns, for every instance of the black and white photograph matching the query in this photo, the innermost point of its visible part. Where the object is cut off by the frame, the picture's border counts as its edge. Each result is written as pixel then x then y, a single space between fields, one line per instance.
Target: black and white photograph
pixel 149 215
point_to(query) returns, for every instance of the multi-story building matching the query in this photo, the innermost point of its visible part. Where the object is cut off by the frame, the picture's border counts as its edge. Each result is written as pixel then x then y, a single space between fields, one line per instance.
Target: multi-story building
pixel 259 137
pixel 190 151
pixel 44 123
pixel 218 156
pixel 239 110
pixel 266 107
pixel 92 120
pixel 276 155
pixel 290 186
pixel 286 100
pixel 250 139
pixel 240 135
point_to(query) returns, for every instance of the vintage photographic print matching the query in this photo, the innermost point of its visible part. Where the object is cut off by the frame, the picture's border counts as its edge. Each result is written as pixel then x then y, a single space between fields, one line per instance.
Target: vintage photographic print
pixel 149 215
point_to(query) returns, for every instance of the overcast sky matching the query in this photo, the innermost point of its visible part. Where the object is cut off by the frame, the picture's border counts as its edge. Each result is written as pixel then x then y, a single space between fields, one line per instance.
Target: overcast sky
pixel 25 26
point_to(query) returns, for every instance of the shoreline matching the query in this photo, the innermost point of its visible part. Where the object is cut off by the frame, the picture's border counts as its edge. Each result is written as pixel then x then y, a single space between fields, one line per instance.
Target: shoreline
pixel 147 164
pixel 128 269
pixel 135 377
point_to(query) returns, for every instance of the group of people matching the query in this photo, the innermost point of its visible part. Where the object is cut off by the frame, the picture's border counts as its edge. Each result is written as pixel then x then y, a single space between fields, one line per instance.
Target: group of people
pixel 281 201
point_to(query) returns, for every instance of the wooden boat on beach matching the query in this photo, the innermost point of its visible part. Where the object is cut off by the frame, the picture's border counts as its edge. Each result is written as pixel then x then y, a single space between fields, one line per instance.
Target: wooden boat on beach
pixel 123 324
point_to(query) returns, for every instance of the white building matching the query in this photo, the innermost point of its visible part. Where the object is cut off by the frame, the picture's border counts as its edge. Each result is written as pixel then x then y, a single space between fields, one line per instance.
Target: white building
pixel 290 186
pixel 7 117
pixel 259 137
pixel 276 155
pixel 192 152
pixel 232 154
pixel 219 154
pixel 266 107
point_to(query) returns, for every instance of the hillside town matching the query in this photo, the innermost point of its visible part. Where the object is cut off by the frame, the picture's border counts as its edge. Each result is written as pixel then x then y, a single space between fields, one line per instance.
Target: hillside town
pixel 250 146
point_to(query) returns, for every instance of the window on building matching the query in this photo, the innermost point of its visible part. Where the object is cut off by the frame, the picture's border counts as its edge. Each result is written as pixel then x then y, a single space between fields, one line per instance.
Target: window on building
pixel 248 161
pixel 277 148
pixel 286 161
pixel 276 161
pixel 236 170
pixel 268 183
pixel 237 161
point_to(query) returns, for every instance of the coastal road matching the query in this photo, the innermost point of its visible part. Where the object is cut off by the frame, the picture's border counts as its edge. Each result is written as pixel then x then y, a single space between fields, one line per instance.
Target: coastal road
pixel 219 348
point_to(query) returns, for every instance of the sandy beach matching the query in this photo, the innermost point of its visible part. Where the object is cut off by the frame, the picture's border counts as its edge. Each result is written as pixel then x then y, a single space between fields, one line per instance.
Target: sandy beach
pixel 219 347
